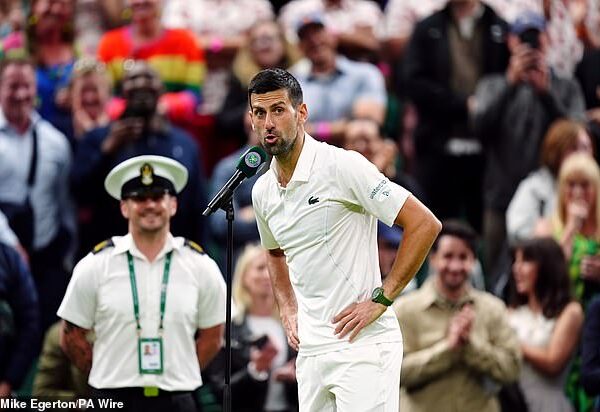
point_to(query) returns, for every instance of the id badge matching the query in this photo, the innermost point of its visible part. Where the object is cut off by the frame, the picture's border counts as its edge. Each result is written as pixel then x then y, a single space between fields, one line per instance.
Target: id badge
pixel 150 356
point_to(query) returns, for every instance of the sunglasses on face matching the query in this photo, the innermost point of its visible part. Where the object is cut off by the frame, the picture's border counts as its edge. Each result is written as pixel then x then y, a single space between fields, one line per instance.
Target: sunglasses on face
pixel 155 195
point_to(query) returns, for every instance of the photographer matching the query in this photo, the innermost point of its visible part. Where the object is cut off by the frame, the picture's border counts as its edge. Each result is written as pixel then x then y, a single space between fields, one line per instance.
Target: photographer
pixel 140 130
pixel 511 114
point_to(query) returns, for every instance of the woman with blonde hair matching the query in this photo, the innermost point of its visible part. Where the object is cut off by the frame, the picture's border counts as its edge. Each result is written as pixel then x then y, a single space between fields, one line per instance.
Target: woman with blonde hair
pixel 89 95
pixel 263 373
pixel 536 195
pixel 266 48
pixel 575 224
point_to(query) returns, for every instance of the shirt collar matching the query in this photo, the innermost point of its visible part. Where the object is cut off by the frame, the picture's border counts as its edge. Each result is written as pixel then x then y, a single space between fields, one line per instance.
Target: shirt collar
pixel 34 117
pixel 432 297
pixel 126 244
pixel 341 66
pixel 305 160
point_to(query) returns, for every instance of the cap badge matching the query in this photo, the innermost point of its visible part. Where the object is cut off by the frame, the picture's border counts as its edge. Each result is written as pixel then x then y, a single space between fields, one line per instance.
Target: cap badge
pixel 147 174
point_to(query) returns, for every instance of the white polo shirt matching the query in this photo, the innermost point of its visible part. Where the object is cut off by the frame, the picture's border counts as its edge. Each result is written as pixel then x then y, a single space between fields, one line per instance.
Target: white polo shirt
pixel 99 297
pixel 325 221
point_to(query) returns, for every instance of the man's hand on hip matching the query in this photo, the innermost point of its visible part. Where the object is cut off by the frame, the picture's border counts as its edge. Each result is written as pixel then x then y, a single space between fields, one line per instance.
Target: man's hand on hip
pixel 355 317
pixel 290 324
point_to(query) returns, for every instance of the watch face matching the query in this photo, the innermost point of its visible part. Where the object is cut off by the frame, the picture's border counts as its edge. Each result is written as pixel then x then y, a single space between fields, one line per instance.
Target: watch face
pixel 376 293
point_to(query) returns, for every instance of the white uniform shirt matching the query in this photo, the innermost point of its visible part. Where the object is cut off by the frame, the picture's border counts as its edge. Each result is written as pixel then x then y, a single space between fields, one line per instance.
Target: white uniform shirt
pixel 325 221
pixel 99 297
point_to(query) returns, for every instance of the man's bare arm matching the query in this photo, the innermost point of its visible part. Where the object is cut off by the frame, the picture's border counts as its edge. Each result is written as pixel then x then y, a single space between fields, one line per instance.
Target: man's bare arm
pixel 284 294
pixel 209 343
pixel 73 341
pixel 421 228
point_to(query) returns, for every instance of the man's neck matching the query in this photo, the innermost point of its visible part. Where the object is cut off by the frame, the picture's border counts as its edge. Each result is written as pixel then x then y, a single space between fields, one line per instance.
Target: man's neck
pixel 150 244
pixel 286 163
pixel 453 295
pixel 323 67
pixel 21 125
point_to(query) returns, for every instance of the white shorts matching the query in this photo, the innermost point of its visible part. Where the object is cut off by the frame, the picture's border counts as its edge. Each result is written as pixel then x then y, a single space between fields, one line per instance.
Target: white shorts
pixel 361 379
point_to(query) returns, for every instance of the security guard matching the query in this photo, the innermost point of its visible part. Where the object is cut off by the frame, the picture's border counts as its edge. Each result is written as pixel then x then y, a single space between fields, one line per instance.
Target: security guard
pixel 156 302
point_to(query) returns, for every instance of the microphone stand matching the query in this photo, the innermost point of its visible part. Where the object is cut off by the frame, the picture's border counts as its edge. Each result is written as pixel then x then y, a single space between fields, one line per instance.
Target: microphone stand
pixel 230 216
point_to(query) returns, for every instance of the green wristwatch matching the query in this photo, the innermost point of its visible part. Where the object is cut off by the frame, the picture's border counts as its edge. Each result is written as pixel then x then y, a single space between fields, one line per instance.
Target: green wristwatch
pixel 379 297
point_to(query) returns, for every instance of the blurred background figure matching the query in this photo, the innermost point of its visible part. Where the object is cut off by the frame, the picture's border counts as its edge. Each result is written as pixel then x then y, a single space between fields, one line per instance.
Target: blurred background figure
pixel 266 48
pixel 89 95
pixel 12 20
pixel 35 161
pixel 364 137
pixel 353 23
pixel 19 320
pixel 93 18
pixel 449 52
pixel 575 224
pixel 335 88
pixel 588 76
pixel 263 365
pixel 221 27
pixel 173 53
pixel 590 355
pixel 547 321
pixel 50 34
pixel 57 378
pixel 512 112
pixel 535 196
pixel 141 129
pixel 458 344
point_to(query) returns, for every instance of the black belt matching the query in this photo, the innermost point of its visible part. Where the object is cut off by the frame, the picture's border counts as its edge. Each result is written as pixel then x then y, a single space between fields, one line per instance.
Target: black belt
pixel 136 393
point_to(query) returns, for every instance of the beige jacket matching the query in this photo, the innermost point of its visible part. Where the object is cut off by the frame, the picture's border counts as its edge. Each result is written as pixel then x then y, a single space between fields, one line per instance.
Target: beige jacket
pixel 435 378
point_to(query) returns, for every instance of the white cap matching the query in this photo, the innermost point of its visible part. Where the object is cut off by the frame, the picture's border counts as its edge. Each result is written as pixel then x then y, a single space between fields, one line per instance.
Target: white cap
pixel 140 171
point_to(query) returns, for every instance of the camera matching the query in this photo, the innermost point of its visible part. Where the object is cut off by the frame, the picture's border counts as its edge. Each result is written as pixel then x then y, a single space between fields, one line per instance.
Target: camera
pixel 259 342
pixel 531 37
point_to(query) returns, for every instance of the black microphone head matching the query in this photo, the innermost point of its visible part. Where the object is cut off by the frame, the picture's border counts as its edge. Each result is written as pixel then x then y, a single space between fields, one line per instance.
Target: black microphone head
pixel 251 161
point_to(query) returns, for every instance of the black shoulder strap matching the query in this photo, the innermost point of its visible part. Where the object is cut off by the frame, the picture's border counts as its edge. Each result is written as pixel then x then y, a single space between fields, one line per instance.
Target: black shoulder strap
pixel 34 155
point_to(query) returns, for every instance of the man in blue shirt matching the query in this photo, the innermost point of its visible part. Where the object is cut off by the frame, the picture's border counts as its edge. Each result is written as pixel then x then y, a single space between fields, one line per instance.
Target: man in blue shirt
pixel 35 160
pixel 335 88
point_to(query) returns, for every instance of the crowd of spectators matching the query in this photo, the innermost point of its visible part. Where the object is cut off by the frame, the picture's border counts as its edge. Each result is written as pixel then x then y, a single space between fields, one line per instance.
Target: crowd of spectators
pixel 488 110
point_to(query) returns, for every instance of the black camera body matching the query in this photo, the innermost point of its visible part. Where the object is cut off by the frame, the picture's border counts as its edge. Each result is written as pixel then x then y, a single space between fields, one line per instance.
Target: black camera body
pixel 531 37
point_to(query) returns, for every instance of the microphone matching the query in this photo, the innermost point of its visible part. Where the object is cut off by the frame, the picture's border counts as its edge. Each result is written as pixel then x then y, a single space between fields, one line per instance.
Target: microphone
pixel 247 167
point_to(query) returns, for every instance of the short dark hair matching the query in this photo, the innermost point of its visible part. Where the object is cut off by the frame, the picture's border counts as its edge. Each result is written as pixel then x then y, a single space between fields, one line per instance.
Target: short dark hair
pixel 458 229
pixel 552 286
pixel 269 80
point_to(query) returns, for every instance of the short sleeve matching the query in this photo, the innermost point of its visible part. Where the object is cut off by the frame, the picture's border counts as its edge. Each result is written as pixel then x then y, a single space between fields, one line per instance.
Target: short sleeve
pixel 373 85
pixel 211 303
pixel 79 303
pixel 362 184
pixel 267 239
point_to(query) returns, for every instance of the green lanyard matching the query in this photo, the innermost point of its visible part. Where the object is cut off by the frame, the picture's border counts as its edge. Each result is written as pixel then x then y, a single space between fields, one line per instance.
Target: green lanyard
pixel 163 292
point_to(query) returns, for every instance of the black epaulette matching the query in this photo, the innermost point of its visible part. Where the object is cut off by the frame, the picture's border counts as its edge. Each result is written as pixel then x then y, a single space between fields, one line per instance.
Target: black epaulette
pixel 193 245
pixel 102 245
